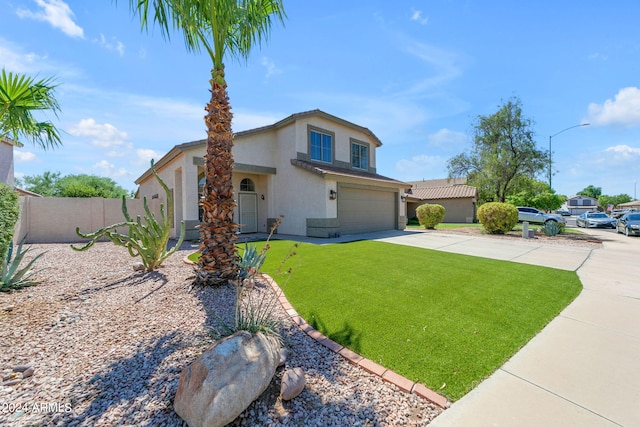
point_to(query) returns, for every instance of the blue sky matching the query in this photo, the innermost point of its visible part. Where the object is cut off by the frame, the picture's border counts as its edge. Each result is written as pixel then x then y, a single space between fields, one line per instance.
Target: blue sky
pixel 416 73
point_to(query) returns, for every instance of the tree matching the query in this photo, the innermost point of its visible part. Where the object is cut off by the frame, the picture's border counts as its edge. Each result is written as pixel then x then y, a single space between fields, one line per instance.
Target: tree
pixel 591 191
pixel 536 194
pixel 605 201
pixel 20 97
pixel 52 185
pixel 503 154
pixel 220 27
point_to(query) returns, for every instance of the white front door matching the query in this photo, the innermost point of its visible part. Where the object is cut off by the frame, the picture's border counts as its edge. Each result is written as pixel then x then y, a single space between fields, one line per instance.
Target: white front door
pixel 248 208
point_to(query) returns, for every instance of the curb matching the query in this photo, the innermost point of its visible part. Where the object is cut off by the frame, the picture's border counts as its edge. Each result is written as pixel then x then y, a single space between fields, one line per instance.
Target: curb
pixel 370 366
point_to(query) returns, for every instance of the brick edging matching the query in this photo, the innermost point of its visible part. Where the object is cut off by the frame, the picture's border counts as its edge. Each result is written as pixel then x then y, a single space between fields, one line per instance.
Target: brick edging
pixel 370 366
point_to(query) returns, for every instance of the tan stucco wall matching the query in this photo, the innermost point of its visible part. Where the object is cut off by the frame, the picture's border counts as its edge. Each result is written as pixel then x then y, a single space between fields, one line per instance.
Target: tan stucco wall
pixel 54 219
pixel 456 210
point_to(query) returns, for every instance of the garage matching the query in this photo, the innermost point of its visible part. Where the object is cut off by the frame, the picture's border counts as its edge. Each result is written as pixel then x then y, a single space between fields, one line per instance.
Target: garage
pixel 361 210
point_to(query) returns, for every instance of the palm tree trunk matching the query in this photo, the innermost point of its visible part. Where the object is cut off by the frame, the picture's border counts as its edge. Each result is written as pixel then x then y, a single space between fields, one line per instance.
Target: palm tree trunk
pixel 218 263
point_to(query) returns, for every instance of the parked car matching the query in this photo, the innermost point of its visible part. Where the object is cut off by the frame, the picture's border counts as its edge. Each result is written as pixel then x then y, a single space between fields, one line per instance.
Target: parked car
pixel 597 219
pixel 563 212
pixel 533 215
pixel 629 224
pixel 618 213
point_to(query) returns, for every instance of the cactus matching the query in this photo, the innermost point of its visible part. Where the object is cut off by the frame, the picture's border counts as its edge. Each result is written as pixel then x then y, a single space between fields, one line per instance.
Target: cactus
pixel 11 275
pixel 147 238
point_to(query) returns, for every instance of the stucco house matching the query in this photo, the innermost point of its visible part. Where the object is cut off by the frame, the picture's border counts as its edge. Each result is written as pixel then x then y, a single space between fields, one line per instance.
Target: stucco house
pixel 458 199
pixel 6 160
pixel 317 170
pixel 580 204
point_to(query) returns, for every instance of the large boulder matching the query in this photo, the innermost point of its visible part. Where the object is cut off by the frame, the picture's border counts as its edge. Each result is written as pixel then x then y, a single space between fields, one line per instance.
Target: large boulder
pixel 223 382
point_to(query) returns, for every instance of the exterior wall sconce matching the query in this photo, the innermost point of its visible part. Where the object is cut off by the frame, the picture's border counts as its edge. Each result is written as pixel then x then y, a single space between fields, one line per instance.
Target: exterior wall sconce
pixel 333 194
pixel 262 197
pixel 403 198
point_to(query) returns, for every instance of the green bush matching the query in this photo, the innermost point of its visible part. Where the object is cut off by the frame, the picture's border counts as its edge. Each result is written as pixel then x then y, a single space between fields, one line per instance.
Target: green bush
pixel 498 218
pixel 9 214
pixel 430 215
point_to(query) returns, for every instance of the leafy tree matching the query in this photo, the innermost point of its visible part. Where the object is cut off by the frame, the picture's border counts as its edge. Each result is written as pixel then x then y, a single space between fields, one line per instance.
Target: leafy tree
pixel 591 191
pixel 9 215
pixel 220 27
pixel 20 97
pixel 52 185
pixel 503 154
pixel 605 201
pixel 537 194
pixel 45 184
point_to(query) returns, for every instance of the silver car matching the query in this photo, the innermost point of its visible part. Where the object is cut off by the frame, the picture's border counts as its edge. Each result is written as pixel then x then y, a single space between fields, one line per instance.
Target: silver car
pixel 596 220
pixel 536 216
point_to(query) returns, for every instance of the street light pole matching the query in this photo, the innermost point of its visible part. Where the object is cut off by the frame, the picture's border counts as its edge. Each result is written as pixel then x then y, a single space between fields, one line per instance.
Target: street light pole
pixel 558 133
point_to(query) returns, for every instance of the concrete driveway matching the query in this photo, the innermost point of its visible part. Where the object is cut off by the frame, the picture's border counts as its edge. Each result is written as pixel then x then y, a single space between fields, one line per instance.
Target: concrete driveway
pixel 583 369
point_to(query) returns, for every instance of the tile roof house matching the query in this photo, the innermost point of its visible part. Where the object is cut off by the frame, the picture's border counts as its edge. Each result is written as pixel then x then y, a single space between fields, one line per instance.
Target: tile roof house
pixel 317 170
pixel 580 204
pixel 458 199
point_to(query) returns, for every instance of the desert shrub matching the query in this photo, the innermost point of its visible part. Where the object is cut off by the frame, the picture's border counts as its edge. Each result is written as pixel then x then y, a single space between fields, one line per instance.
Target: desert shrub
pixel 498 218
pixel 430 215
pixel 552 228
pixel 9 214
pixel 12 276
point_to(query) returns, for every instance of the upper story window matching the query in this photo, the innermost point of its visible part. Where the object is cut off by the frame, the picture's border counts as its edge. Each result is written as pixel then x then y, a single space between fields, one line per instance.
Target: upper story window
pixel 320 146
pixel 359 156
pixel 247 185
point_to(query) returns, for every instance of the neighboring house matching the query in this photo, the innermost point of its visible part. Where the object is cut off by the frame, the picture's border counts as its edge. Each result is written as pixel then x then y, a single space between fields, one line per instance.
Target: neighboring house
pixel 633 204
pixel 580 204
pixel 458 199
pixel 6 160
pixel 317 170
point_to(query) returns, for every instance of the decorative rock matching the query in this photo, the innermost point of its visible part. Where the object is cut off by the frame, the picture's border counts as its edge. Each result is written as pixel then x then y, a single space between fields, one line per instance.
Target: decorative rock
pixel 8 308
pixel 28 372
pixel 21 368
pixel 284 353
pixel 292 383
pixel 138 266
pixel 12 382
pixel 223 382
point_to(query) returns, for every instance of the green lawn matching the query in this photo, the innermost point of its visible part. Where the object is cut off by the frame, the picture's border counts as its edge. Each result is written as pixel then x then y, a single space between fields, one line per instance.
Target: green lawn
pixel 441 319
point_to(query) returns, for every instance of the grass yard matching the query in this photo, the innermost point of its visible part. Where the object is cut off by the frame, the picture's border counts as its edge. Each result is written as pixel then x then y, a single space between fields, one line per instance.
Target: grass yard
pixel 442 319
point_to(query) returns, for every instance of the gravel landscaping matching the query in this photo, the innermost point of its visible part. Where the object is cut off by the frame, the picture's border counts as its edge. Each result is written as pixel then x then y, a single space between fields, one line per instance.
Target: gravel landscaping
pixel 99 344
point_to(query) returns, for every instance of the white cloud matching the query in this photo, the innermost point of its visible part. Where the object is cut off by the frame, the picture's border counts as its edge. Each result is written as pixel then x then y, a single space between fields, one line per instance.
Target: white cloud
pixel 422 167
pixel 623 110
pixel 110 170
pixel 144 156
pixel 270 65
pixel 447 138
pixel 445 66
pixel 23 156
pixel 624 152
pixel 57 13
pixel 419 18
pixel 101 135
pixel 112 45
pixel 597 56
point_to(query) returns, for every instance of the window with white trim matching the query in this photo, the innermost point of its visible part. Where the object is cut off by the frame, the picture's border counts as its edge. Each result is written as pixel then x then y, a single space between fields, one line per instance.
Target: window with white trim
pixel 320 146
pixel 359 156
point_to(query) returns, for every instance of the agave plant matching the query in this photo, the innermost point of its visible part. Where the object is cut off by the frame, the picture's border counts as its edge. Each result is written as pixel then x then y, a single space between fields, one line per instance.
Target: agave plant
pixel 12 276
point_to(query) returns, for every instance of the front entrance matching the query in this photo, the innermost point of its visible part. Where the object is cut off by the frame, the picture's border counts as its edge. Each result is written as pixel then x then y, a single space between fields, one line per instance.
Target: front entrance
pixel 248 209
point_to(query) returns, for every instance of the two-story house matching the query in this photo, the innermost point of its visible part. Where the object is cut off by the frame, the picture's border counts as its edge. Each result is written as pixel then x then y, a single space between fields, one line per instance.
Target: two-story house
pixel 317 170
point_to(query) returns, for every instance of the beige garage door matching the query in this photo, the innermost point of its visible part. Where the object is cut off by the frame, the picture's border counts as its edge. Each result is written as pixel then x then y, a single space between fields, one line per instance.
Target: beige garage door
pixel 361 211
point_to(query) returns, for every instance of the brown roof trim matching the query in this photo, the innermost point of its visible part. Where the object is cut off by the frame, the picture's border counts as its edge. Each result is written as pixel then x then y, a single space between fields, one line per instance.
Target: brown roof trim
pixel 334 171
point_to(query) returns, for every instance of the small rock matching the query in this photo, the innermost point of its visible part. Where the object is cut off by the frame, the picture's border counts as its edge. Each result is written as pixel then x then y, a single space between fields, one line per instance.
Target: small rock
pixel 28 372
pixel 292 383
pixel 9 308
pixel 138 266
pixel 21 368
pixel 284 353
pixel 11 382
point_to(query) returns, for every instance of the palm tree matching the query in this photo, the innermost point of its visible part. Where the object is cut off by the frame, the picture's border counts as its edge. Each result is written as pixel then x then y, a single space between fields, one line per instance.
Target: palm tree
pixel 20 96
pixel 220 27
